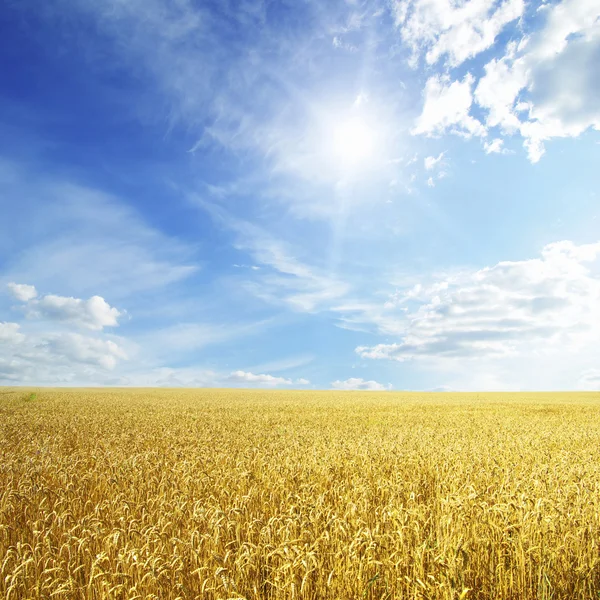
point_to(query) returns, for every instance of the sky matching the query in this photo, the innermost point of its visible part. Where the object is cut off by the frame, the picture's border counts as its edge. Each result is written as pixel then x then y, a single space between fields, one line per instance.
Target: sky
pixel 383 195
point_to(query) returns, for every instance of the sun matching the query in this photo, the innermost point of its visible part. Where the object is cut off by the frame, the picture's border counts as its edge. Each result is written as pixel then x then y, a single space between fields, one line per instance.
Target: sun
pixel 353 142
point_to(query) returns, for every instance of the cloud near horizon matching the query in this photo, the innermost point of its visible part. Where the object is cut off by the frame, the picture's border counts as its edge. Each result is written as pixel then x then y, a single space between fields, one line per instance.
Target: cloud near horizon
pixel 356 383
pixel 522 307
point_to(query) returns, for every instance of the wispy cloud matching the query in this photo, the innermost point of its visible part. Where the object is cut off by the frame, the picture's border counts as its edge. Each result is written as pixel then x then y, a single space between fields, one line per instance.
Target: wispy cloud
pixel 284 279
pixel 284 364
pixel 81 240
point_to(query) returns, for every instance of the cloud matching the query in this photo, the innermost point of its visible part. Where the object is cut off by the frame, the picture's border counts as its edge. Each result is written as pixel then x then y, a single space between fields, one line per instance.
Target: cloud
pixel 537 306
pixel 9 333
pixel 260 379
pixel 547 86
pixel 82 240
pixel 242 97
pixel 283 278
pixel 248 378
pixel 446 108
pixel 88 350
pixel 22 291
pixel 544 86
pixel 431 161
pixel 94 313
pixel 355 383
pixel 51 358
pixel 456 31
pixel 496 146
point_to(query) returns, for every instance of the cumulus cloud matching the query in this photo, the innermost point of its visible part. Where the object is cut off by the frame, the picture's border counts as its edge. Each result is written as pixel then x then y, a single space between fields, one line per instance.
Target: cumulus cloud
pixel 55 355
pixel 453 31
pixel 446 108
pixel 22 291
pixel 257 379
pixel 516 308
pixel 89 350
pixel 9 332
pixel 247 378
pixel 496 146
pixel 356 383
pixel 94 313
pixel 49 358
pixel 543 86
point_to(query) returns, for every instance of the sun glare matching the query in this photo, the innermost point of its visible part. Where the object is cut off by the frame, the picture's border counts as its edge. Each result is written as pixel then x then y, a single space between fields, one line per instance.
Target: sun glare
pixel 353 142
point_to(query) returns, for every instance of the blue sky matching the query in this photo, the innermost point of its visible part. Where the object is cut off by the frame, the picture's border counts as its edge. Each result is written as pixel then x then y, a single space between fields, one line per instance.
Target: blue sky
pixel 345 194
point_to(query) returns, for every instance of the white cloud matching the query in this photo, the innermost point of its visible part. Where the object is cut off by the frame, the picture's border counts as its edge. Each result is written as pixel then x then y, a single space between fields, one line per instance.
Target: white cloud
pixel 9 333
pixel 78 239
pixel 547 85
pixel 430 182
pixel 196 377
pixel 455 30
pixel 544 86
pixel 245 377
pixel 432 161
pixel 282 278
pixel 248 378
pixel 496 146
pixel 446 108
pixel 356 383
pixel 538 306
pixel 50 358
pixel 94 313
pixel 22 291
pixel 83 349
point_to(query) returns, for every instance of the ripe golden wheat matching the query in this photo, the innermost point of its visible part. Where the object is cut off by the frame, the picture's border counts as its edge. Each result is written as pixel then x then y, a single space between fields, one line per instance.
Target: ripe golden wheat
pixel 221 494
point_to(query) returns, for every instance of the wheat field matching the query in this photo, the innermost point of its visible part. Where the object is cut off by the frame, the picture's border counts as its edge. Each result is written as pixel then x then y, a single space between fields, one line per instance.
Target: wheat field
pixel 220 494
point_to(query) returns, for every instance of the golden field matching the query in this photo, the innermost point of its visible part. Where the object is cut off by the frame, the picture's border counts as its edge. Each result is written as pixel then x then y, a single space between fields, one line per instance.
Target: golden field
pixel 225 494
